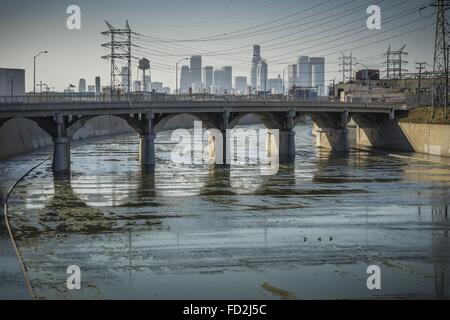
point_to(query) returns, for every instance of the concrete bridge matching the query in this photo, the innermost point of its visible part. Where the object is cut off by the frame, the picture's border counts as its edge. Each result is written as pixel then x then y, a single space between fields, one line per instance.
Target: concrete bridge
pixel 61 117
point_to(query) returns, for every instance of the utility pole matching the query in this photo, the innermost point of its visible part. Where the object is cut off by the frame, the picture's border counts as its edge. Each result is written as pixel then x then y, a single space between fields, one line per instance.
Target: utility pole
pixel 420 67
pixel 441 57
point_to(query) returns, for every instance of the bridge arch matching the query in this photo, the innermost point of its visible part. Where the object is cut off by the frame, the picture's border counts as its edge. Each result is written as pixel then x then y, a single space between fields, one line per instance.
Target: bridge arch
pixel 268 119
pixel 46 124
pixel 209 121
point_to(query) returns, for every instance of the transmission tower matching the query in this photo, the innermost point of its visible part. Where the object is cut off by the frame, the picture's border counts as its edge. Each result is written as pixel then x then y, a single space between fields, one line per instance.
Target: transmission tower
pixel 346 66
pixel 441 57
pixel 120 46
pixel 395 63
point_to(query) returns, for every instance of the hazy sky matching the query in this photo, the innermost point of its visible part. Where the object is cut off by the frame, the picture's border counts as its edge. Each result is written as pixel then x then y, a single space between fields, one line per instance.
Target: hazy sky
pixel 223 31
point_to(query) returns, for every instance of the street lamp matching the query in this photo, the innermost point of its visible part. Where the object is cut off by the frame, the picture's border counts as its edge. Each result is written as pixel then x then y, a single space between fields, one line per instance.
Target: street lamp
pixel 176 74
pixel 34 69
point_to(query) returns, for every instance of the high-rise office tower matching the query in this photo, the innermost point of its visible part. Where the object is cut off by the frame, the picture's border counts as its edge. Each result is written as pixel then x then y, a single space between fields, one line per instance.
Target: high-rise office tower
pixel 196 71
pixel 82 85
pixel 185 79
pixel 97 85
pixel 227 79
pixel 208 78
pixel 275 85
pixel 261 76
pixel 318 74
pixel 292 76
pixel 240 84
pixel 217 87
pixel 255 60
pixel 304 72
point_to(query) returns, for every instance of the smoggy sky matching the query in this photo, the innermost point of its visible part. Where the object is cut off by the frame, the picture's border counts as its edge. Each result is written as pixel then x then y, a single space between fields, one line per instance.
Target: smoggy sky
pixel 222 31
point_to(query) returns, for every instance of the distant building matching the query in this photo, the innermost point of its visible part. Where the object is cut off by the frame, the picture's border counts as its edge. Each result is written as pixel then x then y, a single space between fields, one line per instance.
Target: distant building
pixel 261 76
pixel 371 74
pixel 185 79
pixel 208 78
pixel 292 76
pixel 311 73
pixel 82 85
pixel 217 87
pixel 166 90
pixel 255 60
pixel 91 88
pixel 304 72
pixel 12 82
pixel 196 69
pixel 157 86
pixel 227 79
pixel 240 85
pixel 275 85
pixel 318 74
pixel 97 85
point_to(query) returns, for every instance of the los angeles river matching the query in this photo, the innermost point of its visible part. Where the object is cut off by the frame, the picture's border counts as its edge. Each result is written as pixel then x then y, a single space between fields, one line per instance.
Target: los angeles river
pixel 202 232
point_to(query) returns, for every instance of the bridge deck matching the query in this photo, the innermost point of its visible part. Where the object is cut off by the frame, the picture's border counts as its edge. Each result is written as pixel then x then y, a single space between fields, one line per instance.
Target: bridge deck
pixel 82 108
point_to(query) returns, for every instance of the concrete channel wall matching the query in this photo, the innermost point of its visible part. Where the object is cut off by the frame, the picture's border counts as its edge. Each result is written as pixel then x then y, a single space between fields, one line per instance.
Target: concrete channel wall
pixel 431 139
pixel 21 135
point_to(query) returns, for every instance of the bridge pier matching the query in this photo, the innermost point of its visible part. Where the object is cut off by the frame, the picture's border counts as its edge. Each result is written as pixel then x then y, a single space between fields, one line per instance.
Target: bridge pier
pixel 226 155
pixel 287 140
pixel 147 142
pixel 333 137
pixel 61 148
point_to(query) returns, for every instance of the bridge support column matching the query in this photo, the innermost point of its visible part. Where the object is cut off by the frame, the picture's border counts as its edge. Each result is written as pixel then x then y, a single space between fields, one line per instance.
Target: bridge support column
pixel 61 149
pixel 147 143
pixel 226 155
pixel 334 139
pixel 287 140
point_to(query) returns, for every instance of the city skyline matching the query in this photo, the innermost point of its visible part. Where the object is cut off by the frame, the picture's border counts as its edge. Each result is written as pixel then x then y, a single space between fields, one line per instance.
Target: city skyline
pixel 299 31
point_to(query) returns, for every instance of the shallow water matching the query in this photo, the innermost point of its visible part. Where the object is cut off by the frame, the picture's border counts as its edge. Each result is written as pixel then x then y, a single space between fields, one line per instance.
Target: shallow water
pixel 195 231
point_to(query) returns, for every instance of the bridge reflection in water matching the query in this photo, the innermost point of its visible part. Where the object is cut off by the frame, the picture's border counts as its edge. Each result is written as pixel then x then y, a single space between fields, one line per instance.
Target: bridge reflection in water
pixel 227 230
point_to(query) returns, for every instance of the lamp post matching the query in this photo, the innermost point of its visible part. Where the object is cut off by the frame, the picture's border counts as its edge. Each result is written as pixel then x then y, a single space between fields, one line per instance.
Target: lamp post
pixel 34 69
pixel 176 74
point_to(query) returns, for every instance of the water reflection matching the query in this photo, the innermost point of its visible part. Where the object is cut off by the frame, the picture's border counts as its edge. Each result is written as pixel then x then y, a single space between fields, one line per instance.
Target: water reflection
pixel 311 229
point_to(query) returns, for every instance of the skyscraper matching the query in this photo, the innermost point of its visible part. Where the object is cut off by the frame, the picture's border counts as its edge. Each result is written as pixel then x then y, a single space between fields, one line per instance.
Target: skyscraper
pixel 261 76
pixel 82 85
pixel 275 85
pixel 318 74
pixel 227 79
pixel 217 87
pixel 208 78
pixel 304 70
pixel 97 85
pixel 196 71
pixel 292 76
pixel 185 79
pixel 240 84
pixel 255 60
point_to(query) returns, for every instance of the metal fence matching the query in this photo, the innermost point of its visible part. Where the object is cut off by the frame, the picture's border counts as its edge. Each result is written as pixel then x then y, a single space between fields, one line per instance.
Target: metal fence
pixel 67 98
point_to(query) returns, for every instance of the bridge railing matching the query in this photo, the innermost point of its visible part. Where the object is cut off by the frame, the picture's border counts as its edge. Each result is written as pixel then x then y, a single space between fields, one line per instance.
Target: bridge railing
pixel 140 97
